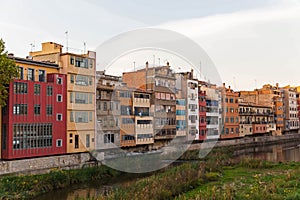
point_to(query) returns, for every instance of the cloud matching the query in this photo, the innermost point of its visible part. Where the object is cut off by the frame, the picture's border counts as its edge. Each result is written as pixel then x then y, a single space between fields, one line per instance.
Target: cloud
pixel 261 44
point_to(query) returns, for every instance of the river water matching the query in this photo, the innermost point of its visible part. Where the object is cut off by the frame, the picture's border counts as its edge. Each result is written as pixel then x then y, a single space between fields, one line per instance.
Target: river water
pixel 276 153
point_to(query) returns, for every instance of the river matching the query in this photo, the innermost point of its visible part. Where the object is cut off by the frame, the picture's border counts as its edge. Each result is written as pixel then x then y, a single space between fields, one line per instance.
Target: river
pixel 275 153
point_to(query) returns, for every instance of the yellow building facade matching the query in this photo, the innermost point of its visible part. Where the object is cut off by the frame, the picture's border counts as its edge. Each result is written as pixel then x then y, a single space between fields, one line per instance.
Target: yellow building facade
pixel 80 70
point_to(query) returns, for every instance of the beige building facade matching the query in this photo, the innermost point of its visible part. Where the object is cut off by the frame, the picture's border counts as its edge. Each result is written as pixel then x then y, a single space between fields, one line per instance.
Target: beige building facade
pixel 80 70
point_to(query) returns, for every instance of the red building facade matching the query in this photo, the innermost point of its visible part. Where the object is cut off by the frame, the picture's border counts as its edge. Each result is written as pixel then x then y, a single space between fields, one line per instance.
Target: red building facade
pixel 34 119
pixel 202 114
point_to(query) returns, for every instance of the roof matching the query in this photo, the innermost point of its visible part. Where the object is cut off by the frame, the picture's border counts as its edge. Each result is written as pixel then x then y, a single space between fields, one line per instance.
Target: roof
pixel 33 62
pixel 253 105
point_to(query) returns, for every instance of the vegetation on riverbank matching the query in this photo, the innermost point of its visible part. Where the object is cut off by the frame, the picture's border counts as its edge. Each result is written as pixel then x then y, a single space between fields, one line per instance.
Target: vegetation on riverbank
pixel 24 187
pixel 217 176
pixel 252 179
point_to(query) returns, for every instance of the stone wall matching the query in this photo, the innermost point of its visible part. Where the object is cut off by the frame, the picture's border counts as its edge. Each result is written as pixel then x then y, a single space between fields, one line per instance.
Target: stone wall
pixel 36 165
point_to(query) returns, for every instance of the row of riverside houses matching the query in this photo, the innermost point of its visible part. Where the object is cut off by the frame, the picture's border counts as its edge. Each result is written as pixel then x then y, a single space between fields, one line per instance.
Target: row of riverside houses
pixel 61 105
pixel 51 107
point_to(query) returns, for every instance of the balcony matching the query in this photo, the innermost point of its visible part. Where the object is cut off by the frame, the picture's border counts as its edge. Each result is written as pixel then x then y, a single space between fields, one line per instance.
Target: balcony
pixel 259 128
pixel 144 128
pixel 105 87
pixel 180 133
pixel 141 102
pixel 256 113
pixel 164 137
pixel 128 143
pixel 145 141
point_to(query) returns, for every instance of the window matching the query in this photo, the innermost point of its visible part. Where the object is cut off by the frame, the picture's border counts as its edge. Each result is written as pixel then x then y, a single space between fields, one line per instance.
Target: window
pixel 33 135
pixel 71 117
pixel 59 98
pixel 82 80
pixel 20 88
pixel 72 78
pixel 125 94
pixel 231 119
pixel 76 144
pixel 109 138
pixel 127 121
pixel 37 109
pixel 227 131
pixel 49 110
pixel 37 89
pixel 30 74
pixel 91 116
pixel 91 99
pixel 236 130
pixel 59 143
pixel 81 98
pixel 90 81
pixel 105 106
pixel 81 117
pixel 20 109
pixel 91 63
pixel 59 81
pixel 21 72
pixel 42 76
pixel 72 60
pixel 59 117
pixel 87 140
pixel 81 62
pixel 226 120
pixel 126 110
pixel 49 90
pixel 180 112
pixel 71 97
pixel 231 100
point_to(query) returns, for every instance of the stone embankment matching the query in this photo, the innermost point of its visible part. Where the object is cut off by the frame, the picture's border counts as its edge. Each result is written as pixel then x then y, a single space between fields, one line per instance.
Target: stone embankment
pixel 72 161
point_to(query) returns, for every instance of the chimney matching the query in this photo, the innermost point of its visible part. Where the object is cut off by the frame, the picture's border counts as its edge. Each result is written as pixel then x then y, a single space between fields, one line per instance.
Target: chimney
pixel 192 74
pixel 147 65
pixel 277 85
pixel 168 64
pixel 223 84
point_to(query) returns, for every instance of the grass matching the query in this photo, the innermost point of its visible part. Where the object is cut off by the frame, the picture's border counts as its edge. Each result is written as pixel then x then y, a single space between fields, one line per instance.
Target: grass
pixel 252 179
pixel 24 187
pixel 217 176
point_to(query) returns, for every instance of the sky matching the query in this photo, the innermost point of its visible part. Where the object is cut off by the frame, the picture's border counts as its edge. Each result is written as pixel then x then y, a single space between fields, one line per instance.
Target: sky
pixel 251 42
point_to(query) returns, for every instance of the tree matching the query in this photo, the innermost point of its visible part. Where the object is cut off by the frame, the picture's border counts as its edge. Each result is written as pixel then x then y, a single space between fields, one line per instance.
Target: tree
pixel 8 71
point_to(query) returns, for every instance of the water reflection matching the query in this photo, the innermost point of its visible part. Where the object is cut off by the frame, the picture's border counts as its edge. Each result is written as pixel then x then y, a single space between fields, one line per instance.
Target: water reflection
pixel 275 153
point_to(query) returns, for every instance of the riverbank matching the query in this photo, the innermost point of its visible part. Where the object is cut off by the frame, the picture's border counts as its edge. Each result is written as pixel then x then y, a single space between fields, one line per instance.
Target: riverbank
pixel 217 174
pixel 251 179
pixel 76 161
pixel 24 187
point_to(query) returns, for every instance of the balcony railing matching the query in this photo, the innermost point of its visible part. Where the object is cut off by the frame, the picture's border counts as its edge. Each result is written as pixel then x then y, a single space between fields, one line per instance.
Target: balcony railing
pixel 256 113
pixel 144 126
pixel 125 143
pixel 162 137
pixel 141 100
pixel 145 141
pixel 180 133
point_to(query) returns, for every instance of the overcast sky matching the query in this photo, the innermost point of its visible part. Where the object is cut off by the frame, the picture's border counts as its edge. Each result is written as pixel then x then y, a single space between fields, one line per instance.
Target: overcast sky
pixel 250 41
